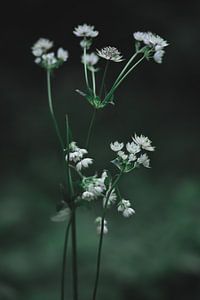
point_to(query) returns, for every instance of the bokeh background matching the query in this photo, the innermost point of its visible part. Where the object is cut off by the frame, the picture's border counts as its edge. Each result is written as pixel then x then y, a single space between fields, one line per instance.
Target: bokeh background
pixel 154 255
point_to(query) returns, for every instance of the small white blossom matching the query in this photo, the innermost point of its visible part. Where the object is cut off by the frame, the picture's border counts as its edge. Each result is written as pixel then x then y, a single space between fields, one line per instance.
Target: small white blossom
pixel 132 157
pixel 158 56
pixel 144 160
pixel 62 215
pixel 143 142
pixel 110 53
pixel 41 46
pixel 62 54
pixel 84 163
pixel 132 148
pixel 49 59
pixel 90 59
pixel 85 31
pixel 88 196
pixel 116 146
pixel 122 155
pixel 124 207
pixel 38 60
pixel 98 221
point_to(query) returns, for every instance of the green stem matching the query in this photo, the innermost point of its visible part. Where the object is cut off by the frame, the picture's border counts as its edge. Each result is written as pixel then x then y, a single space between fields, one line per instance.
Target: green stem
pixel 94 83
pixel 52 110
pixel 85 67
pixel 64 261
pixel 103 78
pixel 73 222
pixel 129 71
pixel 101 237
pixel 90 128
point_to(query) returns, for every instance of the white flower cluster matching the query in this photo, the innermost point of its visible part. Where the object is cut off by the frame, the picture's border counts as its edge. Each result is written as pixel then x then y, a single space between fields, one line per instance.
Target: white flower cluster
pixel 124 207
pixel 129 160
pixel 98 221
pixel 90 60
pixel 87 32
pixel 93 187
pixel 154 42
pixel 110 53
pixel 48 60
pixel 76 156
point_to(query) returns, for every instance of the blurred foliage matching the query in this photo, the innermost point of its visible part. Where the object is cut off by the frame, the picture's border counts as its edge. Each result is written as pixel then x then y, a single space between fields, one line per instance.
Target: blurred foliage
pixel 156 254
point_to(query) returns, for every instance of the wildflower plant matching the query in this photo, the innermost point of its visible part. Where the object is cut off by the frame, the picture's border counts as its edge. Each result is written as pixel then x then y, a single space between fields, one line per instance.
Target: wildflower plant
pixel 80 189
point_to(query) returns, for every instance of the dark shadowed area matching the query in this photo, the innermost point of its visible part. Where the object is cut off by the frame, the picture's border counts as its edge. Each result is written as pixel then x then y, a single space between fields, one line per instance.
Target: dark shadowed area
pixel 155 255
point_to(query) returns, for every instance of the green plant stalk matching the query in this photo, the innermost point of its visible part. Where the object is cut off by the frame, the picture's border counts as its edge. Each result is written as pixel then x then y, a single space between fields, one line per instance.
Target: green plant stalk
pixel 101 237
pixel 52 110
pixel 90 128
pixel 73 222
pixel 85 67
pixel 103 78
pixel 64 260
pixel 93 83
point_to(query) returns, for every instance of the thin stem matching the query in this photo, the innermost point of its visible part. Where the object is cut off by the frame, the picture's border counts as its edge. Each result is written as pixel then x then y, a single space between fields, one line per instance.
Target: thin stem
pixel 85 66
pixel 129 71
pixel 125 68
pixel 52 110
pixel 73 222
pixel 103 78
pixel 64 261
pixel 93 82
pixel 90 128
pixel 101 237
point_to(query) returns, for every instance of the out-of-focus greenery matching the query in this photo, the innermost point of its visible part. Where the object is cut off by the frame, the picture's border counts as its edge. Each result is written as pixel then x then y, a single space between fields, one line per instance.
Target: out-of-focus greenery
pixel 155 255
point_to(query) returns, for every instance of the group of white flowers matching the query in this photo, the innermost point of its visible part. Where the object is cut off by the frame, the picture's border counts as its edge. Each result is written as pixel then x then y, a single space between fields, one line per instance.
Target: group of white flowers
pixel 94 187
pixel 46 59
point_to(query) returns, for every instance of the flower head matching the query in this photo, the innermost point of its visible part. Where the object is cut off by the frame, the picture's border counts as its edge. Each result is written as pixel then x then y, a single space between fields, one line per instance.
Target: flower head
pixel 84 163
pixel 98 221
pixel 41 46
pixel 85 31
pixel 144 160
pixel 116 146
pixel 124 207
pixel 133 148
pixel 110 53
pixel 90 59
pixel 143 142
pixel 62 54
pixel 49 60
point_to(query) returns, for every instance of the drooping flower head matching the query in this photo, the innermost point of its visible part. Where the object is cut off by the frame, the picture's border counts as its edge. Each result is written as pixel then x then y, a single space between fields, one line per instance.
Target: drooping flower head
pixel 110 53
pixel 154 42
pixel 85 31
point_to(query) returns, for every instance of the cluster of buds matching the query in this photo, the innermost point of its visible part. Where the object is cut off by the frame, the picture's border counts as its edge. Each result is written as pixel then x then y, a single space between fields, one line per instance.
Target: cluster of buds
pixel 46 59
pixel 134 156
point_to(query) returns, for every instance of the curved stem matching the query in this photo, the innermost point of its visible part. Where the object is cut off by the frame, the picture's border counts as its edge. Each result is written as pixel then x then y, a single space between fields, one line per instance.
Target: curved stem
pixel 101 237
pixel 90 128
pixel 64 261
pixel 52 110
pixel 103 78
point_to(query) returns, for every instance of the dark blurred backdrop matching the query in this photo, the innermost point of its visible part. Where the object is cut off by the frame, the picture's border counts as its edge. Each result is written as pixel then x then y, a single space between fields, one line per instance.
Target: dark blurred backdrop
pixel 156 254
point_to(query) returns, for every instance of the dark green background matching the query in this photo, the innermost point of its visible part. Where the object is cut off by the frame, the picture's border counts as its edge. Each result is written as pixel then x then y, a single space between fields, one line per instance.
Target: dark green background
pixel 155 254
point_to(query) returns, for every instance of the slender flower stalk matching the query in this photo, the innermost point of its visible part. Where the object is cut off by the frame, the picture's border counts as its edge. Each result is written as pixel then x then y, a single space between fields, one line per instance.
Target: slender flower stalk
pixel 90 128
pixel 93 82
pixel 98 265
pixel 52 110
pixel 85 67
pixel 104 78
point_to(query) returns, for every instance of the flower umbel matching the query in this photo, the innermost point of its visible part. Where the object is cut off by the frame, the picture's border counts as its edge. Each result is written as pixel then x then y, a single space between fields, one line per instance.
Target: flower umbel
pixel 85 31
pixel 110 53
pixel 124 207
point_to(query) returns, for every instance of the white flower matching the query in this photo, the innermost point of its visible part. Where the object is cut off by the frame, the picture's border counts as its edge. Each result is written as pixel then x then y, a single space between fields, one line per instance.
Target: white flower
pixel 158 56
pixel 98 221
pixel 85 31
pixel 143 142
pixel 62 54
pixel 88 196
pixel 76 153
pixel 84 163
pixel 41 46
pixel 61 216
pixel 132 157
pixel 132 148
pixel 144 160
pixel 139 36
pixel 49 59
pixel 124 207
pixel 112 198
pixel 38 60
pixel 110 53
pixel 116 146
pixel 90 59
pixel 122 155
